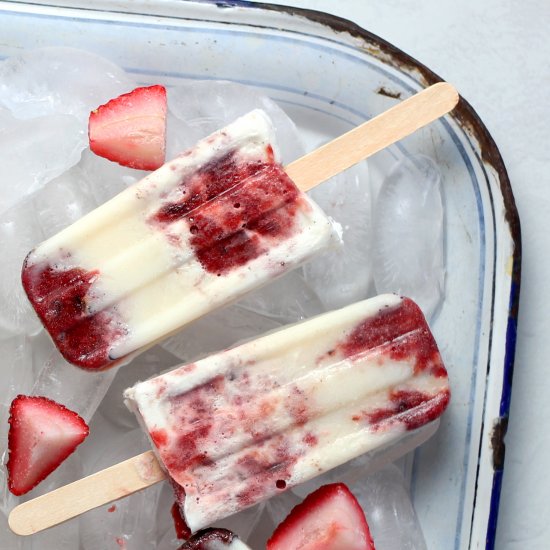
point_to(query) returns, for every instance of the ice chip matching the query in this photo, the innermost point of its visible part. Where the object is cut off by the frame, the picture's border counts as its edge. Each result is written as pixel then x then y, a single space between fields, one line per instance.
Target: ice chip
pixel 285 300
pixel 206 105
pixel 106 179
pixel 344 276
pixel 407 255
pixel 76 389
pixel 19 232
pixel 59 80
pixel 153 361
pixel 216 331
pixel 386 502
pixel 33 152
pixel 63 201
pixel 180 136
pixel 242 523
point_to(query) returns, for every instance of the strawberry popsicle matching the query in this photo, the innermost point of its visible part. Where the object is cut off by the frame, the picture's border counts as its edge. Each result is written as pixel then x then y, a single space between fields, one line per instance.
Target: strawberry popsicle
pixel 240 426
pixel 202 230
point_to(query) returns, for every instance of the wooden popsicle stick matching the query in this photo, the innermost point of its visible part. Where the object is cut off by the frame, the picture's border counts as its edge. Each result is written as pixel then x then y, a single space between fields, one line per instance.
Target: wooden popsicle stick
pixel 144 470
pixel 373 136
pixel 88 493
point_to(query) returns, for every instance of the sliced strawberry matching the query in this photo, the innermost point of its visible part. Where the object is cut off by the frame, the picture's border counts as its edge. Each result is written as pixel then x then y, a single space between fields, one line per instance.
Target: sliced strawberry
pixel 328 519
pixel 42 435
pixel 131 129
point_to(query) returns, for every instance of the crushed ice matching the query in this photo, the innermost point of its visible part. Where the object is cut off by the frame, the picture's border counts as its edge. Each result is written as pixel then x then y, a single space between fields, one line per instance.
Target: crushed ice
pixel 51 179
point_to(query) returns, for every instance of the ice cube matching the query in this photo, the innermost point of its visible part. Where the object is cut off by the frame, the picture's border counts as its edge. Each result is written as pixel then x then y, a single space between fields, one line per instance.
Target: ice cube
pixel 407 255
pixel 150 363
pixel 180 136
pixel 129 522
pixel 207 105
pixel 19 232
pixel 59 80
pixel 77 389
pixel 33 152
pixel 216 331
pixel 17 375
pixel 63 201
pixel 285 300
pixel 387 505
pixel 106 179
pixel 341 277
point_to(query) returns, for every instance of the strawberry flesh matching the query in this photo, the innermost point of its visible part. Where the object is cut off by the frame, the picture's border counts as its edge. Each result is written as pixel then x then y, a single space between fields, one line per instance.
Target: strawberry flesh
pixel 131 129
pixel 328 519
pixel 42 435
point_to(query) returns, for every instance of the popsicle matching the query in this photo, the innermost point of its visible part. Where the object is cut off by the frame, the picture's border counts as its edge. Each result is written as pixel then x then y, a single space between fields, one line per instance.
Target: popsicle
pixel 239 426
pixel 202 230
pixel 242 425
pixel 198 232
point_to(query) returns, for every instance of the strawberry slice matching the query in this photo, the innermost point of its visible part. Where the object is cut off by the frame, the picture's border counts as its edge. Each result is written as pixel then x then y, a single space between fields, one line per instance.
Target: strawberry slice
pixel 42 435
pixel 131 129
pixel 328 519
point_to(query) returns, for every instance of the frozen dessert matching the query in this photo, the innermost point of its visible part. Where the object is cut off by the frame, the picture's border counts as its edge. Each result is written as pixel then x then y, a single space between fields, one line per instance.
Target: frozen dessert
pixel 202 230
pixel 242 425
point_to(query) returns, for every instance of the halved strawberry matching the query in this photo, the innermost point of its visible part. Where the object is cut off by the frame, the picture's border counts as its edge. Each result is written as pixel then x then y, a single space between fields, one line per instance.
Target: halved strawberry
pixel 328 519
pixel 131 129
pixel 42 435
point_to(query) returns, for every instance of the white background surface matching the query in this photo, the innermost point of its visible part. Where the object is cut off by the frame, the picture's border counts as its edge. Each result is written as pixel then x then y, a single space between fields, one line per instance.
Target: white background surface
pixel 497 53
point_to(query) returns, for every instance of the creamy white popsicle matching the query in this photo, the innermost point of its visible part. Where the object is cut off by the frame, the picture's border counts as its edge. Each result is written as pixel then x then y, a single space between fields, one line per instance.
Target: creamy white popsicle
pixel 239 426
pixel 202 230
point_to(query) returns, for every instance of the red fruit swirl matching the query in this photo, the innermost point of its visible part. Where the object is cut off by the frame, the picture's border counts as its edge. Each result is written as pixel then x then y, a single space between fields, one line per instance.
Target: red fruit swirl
pixel 232 209
pixel 60 298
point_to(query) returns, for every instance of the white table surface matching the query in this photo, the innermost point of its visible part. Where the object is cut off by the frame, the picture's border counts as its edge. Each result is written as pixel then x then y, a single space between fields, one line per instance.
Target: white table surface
pixel 497 53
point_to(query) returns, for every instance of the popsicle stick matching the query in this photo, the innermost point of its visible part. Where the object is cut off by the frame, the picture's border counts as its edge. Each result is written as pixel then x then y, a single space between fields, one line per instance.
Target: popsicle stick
pixel 373 136
pixel 88 493
pixel 144 470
